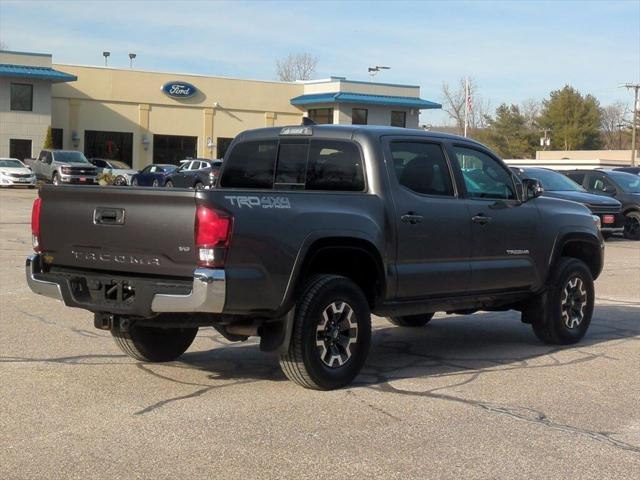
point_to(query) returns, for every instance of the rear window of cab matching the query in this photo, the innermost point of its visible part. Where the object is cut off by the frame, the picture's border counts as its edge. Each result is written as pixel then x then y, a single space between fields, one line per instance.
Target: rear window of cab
pixel 295 164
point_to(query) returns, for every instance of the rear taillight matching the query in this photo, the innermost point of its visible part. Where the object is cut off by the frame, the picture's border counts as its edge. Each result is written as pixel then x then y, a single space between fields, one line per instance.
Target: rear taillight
pixel 212 232
pixel 35 224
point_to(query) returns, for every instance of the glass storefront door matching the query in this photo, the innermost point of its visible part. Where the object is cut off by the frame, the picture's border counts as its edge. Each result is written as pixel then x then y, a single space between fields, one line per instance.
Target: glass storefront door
pixel 173 148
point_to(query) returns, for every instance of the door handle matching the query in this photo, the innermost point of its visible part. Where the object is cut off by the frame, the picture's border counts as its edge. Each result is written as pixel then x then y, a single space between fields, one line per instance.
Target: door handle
pixel 481 219
pixel 411 218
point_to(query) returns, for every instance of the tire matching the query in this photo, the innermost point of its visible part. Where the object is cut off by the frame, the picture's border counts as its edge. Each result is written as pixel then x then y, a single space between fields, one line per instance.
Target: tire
pixel 319 359
pixel 55 179
pixel 632 226
pixel 155 183
pixel 153 344
pixel 169 184
pixel 120 181
pixel 198 186
pixel 564 316
pixel 411 320
pixel 134 182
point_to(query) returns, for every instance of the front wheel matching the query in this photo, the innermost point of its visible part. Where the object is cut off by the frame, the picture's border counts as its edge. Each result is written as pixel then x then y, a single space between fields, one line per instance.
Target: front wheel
pixel 55 179
pixel 134 182
pixel 120 181
pixel 331 334
pixel 411 320
pixel 563 317
pixel 169 184
pixel 152 344
pixel 632 226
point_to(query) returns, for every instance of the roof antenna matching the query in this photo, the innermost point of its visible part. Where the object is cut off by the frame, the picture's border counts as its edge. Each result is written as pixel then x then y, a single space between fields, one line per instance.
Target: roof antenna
pixel 307 121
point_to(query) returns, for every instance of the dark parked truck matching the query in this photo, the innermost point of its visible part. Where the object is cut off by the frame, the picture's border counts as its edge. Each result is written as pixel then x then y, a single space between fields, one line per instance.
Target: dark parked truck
pixel 310 231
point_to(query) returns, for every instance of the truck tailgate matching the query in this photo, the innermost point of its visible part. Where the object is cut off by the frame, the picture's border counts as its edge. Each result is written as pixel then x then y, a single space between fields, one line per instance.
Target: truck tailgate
pixel 121 229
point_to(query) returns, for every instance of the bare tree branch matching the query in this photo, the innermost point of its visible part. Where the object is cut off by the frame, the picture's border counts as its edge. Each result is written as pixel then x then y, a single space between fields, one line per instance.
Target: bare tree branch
pixel 296 66
pixel 453 104
pixel 530 109
pixel 614 120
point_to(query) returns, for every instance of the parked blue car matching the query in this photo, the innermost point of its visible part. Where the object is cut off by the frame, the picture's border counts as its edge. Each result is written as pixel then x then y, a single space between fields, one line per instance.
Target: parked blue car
pixel 154 175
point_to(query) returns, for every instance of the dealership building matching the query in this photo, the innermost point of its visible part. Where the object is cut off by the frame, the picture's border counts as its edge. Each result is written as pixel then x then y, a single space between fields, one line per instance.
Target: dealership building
pixel 144 117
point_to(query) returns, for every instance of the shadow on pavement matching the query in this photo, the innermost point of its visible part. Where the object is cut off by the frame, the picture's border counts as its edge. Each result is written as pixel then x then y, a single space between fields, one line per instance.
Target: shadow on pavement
pixel 445 346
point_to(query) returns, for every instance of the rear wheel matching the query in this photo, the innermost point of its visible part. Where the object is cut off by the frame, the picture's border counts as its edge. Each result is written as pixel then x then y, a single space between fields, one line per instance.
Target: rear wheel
pixel 152 344
pixel 331 334
pixel 565 314
pixel 155 183
pixel 411 320
pixel 120 181
pixel 198 186
pixel 134 182
pixel 632 226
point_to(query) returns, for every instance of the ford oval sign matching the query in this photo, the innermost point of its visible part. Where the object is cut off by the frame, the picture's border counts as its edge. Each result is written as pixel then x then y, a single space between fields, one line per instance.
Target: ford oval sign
pixel 179 89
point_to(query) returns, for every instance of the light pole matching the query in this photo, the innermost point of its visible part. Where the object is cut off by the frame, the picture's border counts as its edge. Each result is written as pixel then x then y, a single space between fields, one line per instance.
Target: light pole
pixel 106 56
pixel 634 125
pixel 131 57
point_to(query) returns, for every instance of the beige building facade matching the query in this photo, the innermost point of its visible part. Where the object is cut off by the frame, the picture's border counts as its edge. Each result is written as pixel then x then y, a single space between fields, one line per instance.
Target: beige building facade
pixel 143 117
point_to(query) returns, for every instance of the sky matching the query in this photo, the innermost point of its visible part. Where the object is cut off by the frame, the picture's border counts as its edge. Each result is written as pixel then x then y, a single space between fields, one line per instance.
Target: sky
pixel 514 50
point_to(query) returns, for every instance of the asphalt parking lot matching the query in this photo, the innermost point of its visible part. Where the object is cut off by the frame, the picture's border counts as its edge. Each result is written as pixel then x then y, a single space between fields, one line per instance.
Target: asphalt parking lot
pixel 465 397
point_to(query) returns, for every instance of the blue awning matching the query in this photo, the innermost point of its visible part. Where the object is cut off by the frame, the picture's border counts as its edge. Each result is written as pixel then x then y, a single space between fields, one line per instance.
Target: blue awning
pixel 363 98
pixel 37 73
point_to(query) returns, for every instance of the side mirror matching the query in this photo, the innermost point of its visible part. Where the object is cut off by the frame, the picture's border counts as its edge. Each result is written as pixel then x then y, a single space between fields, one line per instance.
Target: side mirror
pixel 532 188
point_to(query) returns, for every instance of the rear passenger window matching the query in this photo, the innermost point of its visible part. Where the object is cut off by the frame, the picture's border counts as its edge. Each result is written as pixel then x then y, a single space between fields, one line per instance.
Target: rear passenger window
pixel 335 165
pixel 292 164
pixel 422 168
pixel 250 165
pixel 576 177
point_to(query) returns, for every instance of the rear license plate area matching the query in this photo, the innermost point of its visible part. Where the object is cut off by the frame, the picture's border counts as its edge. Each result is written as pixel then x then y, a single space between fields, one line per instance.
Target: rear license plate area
pixel 608 219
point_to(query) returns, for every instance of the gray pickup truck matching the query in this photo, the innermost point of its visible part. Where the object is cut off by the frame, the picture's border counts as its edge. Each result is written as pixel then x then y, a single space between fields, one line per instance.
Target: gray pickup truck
pixel 310 231
pixel 63 166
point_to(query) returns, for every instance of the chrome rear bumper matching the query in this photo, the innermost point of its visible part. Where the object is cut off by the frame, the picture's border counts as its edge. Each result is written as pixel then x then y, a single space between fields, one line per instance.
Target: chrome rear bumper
pixel 207 294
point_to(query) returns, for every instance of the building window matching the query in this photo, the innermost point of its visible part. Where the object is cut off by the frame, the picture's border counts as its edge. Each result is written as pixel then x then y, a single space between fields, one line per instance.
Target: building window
pixel 108 145
pixel 222 145
pixel 321 115
pixel 398 119
pixel 173 148
pixel 22 97
pixel 56 137
pixel 359 116
pixel 19 149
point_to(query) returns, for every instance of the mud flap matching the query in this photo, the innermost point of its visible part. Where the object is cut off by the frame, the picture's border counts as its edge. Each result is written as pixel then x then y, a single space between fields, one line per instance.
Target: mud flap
pixel 533 308
pixel 276 336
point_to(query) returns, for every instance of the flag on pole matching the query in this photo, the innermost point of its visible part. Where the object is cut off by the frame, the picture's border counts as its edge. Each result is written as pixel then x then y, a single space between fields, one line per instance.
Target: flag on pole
pixel 469 100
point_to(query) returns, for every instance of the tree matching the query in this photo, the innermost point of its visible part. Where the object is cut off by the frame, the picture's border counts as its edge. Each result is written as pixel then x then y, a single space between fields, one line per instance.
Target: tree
pixel 509 134
pixel 614 126
pixel 454 99
pixel 574 119
pixel 48 139
pixel 296 66
pixel 530 109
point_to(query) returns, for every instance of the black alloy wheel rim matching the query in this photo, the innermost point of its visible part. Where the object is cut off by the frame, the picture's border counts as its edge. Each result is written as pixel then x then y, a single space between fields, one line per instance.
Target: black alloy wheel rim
pixel 632 226
pixel 336 332
pixel 573 302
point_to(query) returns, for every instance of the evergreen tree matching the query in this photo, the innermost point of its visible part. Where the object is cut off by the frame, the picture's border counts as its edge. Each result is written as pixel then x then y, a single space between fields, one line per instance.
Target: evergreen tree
pixel 509 134
pixel 48 140
pixel 574 120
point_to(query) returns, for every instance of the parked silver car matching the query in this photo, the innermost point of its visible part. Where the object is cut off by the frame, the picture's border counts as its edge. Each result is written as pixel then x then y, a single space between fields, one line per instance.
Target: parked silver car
pixel 123 172
pixel 14 173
